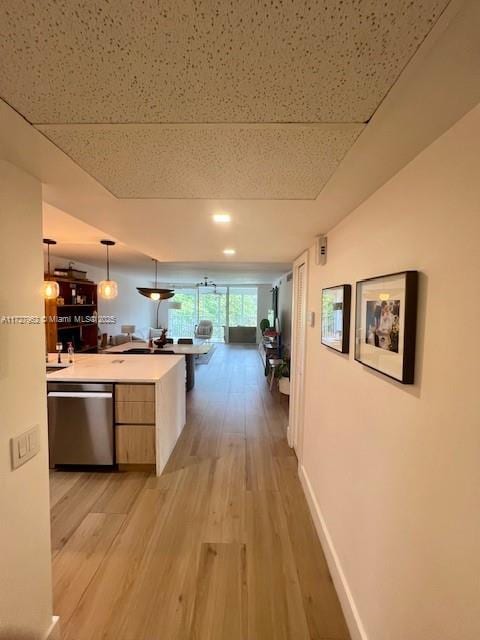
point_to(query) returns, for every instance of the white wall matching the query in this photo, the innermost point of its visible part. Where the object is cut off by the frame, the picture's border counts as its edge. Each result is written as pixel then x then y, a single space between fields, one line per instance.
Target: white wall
pixel 129 307
pixel 264 304
pixel 285 286
pixel 25 573
pixel 395 470
pixel 163 309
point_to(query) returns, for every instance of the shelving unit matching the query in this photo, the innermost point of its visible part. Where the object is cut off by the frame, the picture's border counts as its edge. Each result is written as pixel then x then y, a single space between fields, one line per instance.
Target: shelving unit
pixel 270 347
pixel 72 321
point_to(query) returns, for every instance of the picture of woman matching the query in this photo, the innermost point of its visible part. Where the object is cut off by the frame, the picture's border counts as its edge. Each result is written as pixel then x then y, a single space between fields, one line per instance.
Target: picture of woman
pixel 383 324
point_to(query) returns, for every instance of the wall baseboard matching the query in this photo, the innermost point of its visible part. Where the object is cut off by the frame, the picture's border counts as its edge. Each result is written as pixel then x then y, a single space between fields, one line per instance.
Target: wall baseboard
pixel 289 436
pixel 54 631
pixel 347 602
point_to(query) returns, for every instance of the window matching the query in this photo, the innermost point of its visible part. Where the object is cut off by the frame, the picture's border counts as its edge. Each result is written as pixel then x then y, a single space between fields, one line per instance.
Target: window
pixel 243 307
pixel 181 322
pixel 207 304
pixel 212 305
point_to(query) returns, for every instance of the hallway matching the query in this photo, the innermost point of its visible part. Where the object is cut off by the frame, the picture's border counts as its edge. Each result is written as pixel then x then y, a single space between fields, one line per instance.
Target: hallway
pixel 220 546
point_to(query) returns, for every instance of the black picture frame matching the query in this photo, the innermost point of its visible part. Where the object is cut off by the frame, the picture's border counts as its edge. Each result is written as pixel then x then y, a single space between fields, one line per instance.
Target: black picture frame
pixel 344 343
pixel 395 357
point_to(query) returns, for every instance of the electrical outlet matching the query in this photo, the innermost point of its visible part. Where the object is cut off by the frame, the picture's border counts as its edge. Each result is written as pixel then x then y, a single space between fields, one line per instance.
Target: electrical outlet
pixel 25 446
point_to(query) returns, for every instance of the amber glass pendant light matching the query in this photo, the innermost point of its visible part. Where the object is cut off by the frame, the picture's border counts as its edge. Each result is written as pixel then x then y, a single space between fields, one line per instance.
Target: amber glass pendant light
pixel 50 288
pixel 108 289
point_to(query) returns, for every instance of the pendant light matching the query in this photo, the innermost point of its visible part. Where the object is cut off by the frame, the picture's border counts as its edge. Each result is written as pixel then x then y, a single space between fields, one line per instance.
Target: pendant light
pixel 154 293
pixel 108 289
pixel 51 290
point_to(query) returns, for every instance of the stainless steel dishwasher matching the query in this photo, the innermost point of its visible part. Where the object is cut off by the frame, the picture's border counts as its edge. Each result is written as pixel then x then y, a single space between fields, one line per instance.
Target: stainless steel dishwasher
pixel 80 423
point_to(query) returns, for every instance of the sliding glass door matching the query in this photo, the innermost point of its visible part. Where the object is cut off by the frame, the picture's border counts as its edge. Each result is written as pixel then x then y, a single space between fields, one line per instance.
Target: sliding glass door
pixel 181 322
pixel 243 306
pixel 212 305
pixel 224 307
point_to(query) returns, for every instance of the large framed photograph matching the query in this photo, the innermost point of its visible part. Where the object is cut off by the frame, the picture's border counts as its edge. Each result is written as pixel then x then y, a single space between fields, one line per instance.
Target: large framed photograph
pixel 385 324
pixel 336 317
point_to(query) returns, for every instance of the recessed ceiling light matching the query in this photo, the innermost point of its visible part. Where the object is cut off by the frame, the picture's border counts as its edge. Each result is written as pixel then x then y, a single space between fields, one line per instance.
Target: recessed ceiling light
pixel 222 218
pixel 229 252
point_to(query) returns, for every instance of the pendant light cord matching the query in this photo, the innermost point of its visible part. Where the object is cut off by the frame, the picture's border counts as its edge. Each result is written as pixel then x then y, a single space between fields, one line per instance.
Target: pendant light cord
pixel 158 305
pixel 108 263
pixel 48 260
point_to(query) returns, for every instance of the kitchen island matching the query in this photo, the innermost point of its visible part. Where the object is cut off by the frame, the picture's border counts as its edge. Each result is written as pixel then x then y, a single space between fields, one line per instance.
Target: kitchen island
pixel 148 401
pixel 190 351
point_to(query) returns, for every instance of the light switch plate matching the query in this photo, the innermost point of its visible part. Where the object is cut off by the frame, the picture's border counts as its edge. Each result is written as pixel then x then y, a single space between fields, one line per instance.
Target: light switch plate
pixel 25 446
pixel 311 318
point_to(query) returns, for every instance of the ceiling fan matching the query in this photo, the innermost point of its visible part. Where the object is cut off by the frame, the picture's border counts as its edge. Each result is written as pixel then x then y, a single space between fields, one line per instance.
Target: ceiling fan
pixel 206 283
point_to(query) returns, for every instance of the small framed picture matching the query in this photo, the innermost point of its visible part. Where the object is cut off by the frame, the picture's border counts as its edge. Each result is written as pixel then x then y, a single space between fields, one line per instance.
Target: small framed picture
pixel 385 324
pixel 336 303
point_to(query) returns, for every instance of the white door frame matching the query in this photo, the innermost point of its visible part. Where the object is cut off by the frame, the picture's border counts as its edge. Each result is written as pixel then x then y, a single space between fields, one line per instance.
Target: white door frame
pixel 297 364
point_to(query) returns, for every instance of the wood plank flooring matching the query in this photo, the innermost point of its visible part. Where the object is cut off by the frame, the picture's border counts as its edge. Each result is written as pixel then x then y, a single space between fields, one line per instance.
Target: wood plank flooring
pixel 220 547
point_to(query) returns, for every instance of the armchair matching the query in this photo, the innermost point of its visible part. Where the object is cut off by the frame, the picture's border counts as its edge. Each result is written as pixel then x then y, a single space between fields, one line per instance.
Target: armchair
pixel 204 330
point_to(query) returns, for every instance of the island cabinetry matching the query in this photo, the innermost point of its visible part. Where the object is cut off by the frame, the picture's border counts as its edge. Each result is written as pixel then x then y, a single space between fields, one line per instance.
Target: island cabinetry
pixel 135 444
pixel 135 424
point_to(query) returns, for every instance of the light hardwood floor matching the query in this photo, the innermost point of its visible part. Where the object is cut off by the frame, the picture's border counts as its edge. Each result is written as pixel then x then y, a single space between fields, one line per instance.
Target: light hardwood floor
pixel 220 547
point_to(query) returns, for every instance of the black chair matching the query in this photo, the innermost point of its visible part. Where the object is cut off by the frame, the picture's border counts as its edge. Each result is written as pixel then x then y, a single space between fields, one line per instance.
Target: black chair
pixel 185 341
pixel 164 352
pixel 169 341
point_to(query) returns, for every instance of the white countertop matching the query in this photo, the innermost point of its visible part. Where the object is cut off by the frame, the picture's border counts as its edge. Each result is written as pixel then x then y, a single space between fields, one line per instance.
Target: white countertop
pixel 103 367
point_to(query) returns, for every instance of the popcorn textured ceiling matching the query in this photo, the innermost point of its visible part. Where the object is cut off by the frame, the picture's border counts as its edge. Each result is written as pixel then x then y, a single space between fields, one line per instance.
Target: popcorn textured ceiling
pixel 203 161
pixel 67 61
pixel 119 62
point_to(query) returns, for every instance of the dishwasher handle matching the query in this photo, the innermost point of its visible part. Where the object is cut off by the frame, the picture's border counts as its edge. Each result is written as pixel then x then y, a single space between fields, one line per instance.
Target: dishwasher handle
pixel 79 394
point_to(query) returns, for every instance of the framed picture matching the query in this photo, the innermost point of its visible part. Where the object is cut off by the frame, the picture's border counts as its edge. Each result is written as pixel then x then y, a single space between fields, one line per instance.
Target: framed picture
pixel 385 324
pixel 336 317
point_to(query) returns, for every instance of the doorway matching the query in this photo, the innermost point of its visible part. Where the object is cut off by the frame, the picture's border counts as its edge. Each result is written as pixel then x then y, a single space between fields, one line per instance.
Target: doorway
pixel 299 327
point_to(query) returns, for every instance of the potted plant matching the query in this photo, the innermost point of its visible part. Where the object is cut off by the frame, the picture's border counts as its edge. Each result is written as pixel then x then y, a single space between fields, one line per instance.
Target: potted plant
pixel 264 325
pixel 283 374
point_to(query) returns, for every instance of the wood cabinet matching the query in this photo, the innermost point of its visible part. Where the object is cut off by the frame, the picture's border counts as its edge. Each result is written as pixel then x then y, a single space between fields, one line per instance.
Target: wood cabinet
pixel 135 404
pixel 72 320
pixel 135 392
pixel 135 444
pixel 135 423
pixel 134 412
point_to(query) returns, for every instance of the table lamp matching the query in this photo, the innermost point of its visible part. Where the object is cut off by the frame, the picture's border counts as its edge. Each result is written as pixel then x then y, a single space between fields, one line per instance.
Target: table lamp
pixel 129 329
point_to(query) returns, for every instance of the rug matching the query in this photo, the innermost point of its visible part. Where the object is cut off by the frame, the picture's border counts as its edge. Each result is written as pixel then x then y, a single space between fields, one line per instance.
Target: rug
pixel 204 358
